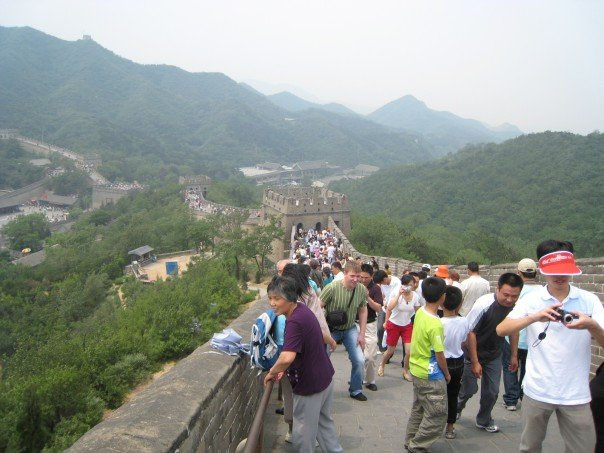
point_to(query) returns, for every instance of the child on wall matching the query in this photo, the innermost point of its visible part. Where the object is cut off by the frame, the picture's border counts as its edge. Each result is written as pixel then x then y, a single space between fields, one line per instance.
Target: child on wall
pixel 429 371
pixel 456 330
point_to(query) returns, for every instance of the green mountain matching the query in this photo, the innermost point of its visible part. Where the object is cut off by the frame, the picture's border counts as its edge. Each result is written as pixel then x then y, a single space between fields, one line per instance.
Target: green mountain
pixel 152 120
pixel 293 103
pixel 514 194
pixel 446 131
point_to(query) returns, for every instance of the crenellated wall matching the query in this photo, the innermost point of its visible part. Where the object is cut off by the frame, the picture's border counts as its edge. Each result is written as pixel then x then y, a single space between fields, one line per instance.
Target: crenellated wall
pixel 206 403
pixel 304 207
pixel 592 278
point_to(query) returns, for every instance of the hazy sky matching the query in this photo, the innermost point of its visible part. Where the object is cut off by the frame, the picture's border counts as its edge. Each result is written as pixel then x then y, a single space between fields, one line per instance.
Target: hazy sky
pixel 536 64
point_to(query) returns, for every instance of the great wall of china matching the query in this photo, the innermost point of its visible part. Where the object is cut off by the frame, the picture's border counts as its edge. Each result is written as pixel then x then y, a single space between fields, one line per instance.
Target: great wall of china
pixel 207 401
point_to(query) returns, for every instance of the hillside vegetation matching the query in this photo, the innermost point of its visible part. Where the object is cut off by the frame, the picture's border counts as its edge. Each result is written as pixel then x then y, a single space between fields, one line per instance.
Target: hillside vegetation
pixel 494 202
pixel 149 121
pixel 16 171
pixel 76 334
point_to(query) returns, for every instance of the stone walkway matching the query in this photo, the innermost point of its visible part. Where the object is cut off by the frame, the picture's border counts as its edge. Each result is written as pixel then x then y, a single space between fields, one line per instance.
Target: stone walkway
pixel 378 425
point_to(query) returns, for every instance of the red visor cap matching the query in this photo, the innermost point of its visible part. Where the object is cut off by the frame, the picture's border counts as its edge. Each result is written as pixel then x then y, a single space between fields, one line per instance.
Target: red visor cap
pixel 558 263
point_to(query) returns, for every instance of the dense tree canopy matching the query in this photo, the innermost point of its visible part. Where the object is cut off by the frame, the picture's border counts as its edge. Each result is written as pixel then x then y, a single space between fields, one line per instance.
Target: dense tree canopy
pixel 16 171
pixel 76 334
pixel 496 202
pixel 27 231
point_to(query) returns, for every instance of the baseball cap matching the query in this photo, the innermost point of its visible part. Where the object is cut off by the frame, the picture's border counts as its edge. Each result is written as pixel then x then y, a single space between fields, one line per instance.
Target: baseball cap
pixel 558 263
pixel 527 265
pixel 442 271
pixel 426 267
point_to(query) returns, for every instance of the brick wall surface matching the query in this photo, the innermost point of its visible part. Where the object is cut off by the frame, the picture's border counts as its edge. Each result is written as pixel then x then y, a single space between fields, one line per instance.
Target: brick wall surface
pixel 592 278
pixel 206 403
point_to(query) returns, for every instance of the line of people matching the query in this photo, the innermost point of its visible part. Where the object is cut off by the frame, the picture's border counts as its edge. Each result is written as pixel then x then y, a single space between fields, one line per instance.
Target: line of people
pixel 453 334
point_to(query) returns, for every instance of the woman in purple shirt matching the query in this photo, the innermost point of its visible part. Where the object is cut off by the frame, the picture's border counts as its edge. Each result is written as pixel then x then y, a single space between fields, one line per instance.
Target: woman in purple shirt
pixel 308 367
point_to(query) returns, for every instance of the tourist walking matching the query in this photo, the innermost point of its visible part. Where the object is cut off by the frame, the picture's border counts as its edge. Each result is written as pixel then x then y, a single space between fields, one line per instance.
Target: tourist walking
pixel 516 360
pixel 456 331
pixel 483 358
pixel 374 306
pixel 399 311
pixel 472 288
pixel 343 301
pixel 429 371
pixel 309 370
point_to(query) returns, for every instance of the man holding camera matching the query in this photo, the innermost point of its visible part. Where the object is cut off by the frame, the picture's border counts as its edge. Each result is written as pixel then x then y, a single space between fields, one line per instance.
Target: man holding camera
pixel 343 301
pixel 560 321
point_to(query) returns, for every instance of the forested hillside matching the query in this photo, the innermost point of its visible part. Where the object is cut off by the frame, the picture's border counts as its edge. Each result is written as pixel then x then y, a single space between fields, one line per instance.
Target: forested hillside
pixel 495 202
pixel 155 120
pixel 293 103
pixel 15 169
pixel 76 335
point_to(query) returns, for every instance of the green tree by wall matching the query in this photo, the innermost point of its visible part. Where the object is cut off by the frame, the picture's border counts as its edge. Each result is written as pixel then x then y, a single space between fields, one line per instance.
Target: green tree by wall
pixel 27 231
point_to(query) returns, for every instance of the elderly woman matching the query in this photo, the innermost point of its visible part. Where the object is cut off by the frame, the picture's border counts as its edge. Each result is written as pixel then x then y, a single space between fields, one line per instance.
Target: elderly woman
pixel 299 274
pixel 308 367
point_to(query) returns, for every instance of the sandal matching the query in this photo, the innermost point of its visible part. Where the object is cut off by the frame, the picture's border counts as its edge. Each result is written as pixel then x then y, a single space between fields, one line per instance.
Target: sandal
pixel 380 371
pixel 406 376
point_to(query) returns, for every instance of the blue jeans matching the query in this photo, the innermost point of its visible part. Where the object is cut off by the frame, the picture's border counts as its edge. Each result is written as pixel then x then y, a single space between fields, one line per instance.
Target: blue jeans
pixel 349 337
pixel 511 381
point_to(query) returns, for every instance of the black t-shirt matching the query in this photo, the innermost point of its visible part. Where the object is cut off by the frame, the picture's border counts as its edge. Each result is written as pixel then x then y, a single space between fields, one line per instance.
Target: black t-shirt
pixel 375 292
pixel 483 320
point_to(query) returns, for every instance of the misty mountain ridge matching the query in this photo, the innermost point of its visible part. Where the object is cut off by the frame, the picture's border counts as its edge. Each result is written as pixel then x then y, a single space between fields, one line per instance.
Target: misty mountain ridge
pixel 293 103
pixel 151 120
pixel 444 130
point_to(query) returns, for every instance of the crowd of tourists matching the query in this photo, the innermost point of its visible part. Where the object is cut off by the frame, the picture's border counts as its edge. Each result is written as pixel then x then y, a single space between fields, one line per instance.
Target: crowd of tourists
pixel 454 333
pixel 195 200
pixel 53 214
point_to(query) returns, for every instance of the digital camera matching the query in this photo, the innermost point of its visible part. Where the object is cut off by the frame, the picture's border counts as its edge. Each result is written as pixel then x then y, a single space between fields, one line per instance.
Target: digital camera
pixel 564 316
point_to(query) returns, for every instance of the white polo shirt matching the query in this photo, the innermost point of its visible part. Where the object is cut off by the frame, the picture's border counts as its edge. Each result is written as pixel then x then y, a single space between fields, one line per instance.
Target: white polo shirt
pixel 557 369
pixel 391 290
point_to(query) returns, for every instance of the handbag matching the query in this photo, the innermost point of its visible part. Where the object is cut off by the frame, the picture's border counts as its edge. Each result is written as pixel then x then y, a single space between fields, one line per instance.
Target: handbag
pixel 340 317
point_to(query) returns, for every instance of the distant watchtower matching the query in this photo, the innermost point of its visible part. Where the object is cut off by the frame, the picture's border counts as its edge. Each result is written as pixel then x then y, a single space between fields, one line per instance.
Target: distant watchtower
pixel 197 183
pixel 303 207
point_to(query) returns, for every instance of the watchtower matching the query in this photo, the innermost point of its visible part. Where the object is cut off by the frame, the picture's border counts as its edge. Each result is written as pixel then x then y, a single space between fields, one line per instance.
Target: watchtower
pixel 197 183
pixel 303 207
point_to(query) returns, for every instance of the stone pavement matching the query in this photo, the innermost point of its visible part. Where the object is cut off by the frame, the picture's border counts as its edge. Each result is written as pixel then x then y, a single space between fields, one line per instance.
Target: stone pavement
pixel 379 424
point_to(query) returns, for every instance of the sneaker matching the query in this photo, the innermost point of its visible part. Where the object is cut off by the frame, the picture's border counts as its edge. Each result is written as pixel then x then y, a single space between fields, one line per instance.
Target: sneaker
pixel 279 411
pixel 359 397
pixel 288 437
pixel 510 407
pixel 458 416
pixel 450 434
pixel 371 387
pixel 492 428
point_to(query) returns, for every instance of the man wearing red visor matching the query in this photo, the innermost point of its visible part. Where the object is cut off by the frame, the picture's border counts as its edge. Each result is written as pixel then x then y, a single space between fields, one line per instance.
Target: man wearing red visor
pixel 560 321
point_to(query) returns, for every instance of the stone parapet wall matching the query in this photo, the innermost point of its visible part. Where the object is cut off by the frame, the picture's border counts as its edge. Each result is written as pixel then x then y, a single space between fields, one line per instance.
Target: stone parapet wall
pixel 206 403
pixel 592 278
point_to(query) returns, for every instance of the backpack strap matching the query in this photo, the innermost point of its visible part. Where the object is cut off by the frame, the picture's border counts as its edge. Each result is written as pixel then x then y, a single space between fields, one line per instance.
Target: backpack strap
pixel 351 297
pixel 349 301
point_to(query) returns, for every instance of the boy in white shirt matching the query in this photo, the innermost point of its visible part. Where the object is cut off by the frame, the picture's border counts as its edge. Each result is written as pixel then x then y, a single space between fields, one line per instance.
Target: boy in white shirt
pixel 558 362
pixel 456 330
